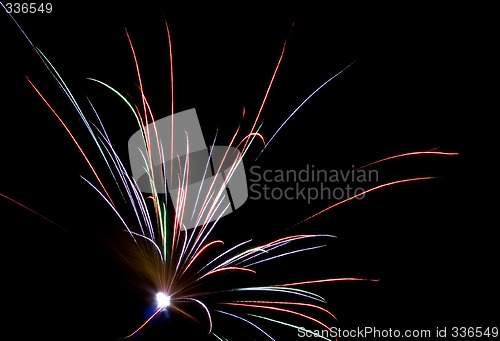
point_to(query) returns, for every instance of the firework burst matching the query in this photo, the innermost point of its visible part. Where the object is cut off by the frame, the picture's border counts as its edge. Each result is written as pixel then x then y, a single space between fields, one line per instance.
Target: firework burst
pixel 187 270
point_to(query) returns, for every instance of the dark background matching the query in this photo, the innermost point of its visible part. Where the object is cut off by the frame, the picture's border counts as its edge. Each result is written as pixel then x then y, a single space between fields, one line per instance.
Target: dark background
pixel 419 82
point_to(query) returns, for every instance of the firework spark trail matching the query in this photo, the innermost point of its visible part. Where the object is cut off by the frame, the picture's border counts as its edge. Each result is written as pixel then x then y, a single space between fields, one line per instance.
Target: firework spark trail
pixel 252 135
pixel 432 151
pixel 110 204
pixel 286 254
pixel 126 181
pixel 325 281
pixel 289 325
pixel 248 139
pixel 200 252
pixel 144 122
pixel 182 252
pixel 240 257
pixel 226 268
pixel 287 290
pixel 252 130
pixel 144 324
pixel 219 196
pixel 280 243
pixel 362 194
pixel 181 199
pixel 207 164
pixel 65 89
pixel 172 111
pixel 223 254
pixel 189 240
pixel 135 199
pixel 300 106
pixel 105 140
pixel 209 230
pixel 177 272
pixel 289 311
pixel 246 321
pixel 210 326
pixel 73 138
pixel 146 134
pixel 31 210
pixel 314 306
pixel 139 78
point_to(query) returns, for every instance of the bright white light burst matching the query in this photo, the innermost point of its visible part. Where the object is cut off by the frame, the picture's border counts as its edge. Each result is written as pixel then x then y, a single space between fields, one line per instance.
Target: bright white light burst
pixel 162 300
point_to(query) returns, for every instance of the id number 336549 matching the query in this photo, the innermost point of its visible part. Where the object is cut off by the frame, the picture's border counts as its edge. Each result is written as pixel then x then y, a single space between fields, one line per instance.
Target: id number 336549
pixel 28 7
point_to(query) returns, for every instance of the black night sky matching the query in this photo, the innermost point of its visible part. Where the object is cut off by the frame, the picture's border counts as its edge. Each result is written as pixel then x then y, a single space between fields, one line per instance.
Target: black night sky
pixel 417 83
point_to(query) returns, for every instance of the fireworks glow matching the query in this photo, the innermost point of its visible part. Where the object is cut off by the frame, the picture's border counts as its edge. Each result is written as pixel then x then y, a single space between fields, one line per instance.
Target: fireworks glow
pixel 187 270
